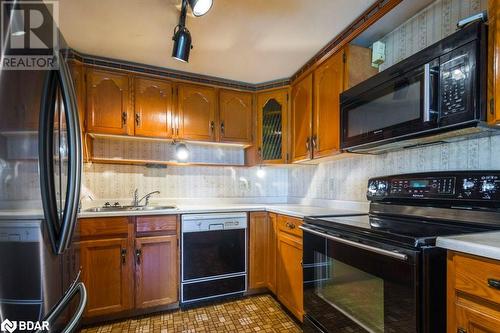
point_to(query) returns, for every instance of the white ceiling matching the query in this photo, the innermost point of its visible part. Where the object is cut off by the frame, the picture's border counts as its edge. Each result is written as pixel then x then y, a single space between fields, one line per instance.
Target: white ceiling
pixel 252 41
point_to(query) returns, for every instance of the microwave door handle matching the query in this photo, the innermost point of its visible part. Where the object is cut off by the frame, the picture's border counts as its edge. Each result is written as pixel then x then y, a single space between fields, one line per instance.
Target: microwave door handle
pixel 387 253
pixel 427 92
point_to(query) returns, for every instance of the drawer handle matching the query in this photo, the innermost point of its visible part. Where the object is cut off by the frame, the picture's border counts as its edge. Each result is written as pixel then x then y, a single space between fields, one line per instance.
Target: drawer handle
pixel 461 330
pixel 290 225
pixel 494 283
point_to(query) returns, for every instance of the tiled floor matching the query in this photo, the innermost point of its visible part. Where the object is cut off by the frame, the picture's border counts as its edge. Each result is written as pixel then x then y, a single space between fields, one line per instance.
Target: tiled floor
pixel 252 314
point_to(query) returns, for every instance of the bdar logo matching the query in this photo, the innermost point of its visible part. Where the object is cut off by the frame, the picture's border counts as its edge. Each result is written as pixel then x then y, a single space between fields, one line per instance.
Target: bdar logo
pixel 8 326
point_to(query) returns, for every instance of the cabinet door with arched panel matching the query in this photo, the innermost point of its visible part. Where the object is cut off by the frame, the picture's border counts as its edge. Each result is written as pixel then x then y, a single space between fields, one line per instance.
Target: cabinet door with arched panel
pixel 272 113
pixel 196 113
pixel 108 103
pixel 235 113
pixel 153 107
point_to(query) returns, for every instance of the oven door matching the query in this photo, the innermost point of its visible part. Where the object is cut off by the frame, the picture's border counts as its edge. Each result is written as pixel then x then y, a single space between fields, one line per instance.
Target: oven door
pixel 214 253
pixel 354 285
pixel 377 111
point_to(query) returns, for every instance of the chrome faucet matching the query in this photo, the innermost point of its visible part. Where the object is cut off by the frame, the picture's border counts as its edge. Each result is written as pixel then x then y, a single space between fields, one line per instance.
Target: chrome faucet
pixel 137 201
pixel 81 199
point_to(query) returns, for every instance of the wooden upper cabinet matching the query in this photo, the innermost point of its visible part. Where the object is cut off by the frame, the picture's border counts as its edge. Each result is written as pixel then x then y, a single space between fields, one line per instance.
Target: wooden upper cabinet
pixel 196 107
pixel 258 250
pixel 106 271
pixel 272 113
pixel 78 76
pixel 302 96
pixel 357 65
pixel 153 108
pixel 157 271
pixel 235 116
pixel 108 103
pixel 328 84
pixel 494 62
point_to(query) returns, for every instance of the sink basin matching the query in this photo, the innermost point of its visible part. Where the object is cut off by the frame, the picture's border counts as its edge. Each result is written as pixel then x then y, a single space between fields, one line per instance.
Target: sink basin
pixel 129 208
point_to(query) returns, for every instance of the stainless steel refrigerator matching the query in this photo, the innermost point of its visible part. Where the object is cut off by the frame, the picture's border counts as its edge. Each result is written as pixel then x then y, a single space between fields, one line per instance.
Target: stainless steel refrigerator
pixel 40 175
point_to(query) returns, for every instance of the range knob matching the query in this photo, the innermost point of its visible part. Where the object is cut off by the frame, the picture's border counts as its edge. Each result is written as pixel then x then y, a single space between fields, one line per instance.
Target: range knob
pixel 382 186
pixel 372 188
pixel 468 184
pixel 488 186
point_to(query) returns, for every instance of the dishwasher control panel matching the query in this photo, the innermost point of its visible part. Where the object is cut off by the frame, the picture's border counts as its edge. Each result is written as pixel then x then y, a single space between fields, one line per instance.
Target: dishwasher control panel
pixel 213 222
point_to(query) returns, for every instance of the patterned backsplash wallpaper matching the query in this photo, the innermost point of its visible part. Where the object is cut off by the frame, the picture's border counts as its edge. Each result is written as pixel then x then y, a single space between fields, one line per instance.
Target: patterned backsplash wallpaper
pixel 107 181
pixel 433 23
pixel 346 179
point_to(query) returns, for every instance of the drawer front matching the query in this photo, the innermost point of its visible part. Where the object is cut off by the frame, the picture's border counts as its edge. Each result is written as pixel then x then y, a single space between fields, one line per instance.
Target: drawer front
pixel 102 226
pixel 165 224
pixel 479 277
pixel 289 225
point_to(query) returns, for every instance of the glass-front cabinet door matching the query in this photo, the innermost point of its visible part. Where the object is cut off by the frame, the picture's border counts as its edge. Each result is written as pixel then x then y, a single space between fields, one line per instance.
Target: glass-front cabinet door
pixel 272 108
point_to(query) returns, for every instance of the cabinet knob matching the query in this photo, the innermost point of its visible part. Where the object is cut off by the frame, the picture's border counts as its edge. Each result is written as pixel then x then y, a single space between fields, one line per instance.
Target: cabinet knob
pixel 212 126
pixel 138 119
pixel 123 255
pixel 314 140
pixel 138 253
pixel 222 127
pixel 124 118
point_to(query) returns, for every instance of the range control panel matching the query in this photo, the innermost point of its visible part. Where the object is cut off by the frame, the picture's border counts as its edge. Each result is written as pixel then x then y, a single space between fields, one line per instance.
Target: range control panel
pixel 461 185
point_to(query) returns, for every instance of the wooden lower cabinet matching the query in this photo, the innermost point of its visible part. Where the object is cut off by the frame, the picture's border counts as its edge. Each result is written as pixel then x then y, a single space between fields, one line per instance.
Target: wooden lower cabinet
pixel 271 252
pixel 156 274
pixel 473 296
pixel 257 269
pixel 107 274
pixel 289 273
pixel 470 320
pixel 128 264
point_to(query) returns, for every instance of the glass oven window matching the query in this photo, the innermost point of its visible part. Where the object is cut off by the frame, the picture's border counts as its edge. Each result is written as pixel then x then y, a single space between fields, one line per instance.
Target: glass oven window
pixel 391 106
pixel 344 287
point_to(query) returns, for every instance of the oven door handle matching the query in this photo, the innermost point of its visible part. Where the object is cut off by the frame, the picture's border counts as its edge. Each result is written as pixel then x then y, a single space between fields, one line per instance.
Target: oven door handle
pixel 392 254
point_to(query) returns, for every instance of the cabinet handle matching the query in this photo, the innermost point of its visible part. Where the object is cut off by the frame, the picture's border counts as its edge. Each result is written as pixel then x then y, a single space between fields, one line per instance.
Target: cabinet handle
pixel 222 127
pixel 138 119
pixel 124 118
pixel 212 126
pixel 493 283
pixel 290 225
pixel 308 144
pixel 138 253
pixel 315 142
pixel 124 256
pixel 461 330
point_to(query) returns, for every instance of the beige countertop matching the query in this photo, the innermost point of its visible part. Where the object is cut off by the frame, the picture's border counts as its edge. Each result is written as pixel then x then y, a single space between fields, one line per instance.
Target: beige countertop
pixel 484 244
pixel 294 210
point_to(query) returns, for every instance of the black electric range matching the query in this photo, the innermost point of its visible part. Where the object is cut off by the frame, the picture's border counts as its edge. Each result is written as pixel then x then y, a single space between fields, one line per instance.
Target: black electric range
pixel 382 272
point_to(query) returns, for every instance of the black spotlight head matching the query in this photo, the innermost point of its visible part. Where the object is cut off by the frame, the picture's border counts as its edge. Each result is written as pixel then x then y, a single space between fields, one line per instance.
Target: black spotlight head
pixel 182 43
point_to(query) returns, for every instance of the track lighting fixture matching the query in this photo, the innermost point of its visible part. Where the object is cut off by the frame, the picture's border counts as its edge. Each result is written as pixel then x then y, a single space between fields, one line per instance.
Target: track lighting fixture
pixel 182 36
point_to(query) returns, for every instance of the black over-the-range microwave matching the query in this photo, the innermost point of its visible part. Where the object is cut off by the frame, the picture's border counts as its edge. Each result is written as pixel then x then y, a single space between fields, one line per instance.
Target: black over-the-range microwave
pixel 436 95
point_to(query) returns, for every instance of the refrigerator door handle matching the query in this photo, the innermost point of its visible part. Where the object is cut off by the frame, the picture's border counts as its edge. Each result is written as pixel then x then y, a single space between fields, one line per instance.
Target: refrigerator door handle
pixel 62 305
pixel 60 233
pixel 75 156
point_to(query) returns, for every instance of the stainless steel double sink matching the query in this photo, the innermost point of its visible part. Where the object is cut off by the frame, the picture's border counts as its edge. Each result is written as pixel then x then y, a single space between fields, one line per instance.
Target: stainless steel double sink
pixel 129 208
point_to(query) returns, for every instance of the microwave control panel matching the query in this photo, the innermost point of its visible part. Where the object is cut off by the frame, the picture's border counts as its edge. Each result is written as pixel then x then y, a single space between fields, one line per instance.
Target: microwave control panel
pixel 455 82
pixel 460 186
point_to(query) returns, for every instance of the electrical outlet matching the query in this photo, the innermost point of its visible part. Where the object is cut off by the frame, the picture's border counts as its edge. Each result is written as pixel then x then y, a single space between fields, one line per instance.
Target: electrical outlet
pixel 244 184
